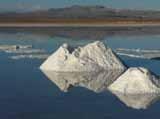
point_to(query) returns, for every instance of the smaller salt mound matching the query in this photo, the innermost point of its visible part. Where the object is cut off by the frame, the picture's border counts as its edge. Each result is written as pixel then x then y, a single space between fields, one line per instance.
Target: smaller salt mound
pixel 136 81
pixel 92 57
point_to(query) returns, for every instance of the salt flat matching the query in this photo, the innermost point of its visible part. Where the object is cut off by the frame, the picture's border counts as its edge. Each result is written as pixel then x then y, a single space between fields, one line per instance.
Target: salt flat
pixel 78 24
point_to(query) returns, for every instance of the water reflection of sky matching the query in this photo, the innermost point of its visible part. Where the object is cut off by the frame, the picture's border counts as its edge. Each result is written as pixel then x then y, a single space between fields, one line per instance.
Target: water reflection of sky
pixel 27 93
pixel 141 42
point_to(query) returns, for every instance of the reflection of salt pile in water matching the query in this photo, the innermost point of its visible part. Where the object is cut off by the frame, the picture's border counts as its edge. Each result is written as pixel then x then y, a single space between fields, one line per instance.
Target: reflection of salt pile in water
pixel 98 82
pixel 23 51
pixel 138 53
pixel 92 57
pixel 138 101
pixel 95 81
pixel 136 81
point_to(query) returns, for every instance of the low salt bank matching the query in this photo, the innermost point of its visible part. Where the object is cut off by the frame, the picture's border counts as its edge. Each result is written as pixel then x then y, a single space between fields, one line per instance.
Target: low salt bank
pixel 14 47
pixel 92 57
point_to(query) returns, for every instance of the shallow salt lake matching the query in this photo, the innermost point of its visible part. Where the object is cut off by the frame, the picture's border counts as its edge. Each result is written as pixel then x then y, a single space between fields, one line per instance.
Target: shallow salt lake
pixel 26 93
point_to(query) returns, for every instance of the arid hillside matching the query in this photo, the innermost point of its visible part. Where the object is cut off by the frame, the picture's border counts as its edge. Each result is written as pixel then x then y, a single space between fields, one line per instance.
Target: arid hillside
pixel 84 15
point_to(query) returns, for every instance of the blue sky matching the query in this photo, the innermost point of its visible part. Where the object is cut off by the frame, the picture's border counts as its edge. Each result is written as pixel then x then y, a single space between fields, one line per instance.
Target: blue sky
pixel 44 4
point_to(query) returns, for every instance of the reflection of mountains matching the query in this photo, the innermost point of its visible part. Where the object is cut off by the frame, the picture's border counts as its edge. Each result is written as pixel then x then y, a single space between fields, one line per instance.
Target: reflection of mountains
pixel 95 81
pixel 137 101
pixel 99 82
pixel 88 32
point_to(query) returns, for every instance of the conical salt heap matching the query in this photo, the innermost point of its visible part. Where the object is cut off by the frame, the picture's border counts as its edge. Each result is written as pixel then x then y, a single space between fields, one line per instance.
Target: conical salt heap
pixel 136 80
pixel 92 57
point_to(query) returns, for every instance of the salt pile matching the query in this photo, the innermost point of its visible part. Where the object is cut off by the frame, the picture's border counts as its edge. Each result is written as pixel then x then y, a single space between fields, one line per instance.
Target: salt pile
pixel 92 57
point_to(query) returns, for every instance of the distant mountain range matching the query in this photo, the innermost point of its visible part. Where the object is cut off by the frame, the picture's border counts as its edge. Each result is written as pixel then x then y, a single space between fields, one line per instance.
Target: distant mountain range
pixel 82 12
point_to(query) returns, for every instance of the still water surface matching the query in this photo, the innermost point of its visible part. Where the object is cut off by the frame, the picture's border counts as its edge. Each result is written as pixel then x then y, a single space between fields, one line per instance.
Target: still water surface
pixel 26 93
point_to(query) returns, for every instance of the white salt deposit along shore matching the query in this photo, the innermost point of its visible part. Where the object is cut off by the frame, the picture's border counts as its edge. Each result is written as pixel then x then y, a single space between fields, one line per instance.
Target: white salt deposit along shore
pixel 29 56
pixel 139 53
pixel 20 49
pixel 136 80
pixel 92 57
pixel 23 52
pixel 14 47
pixel 139 50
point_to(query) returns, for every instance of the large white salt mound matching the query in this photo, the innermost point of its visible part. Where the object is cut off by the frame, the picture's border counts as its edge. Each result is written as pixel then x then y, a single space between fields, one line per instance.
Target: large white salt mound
pixel 136 80
pixel 92 57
